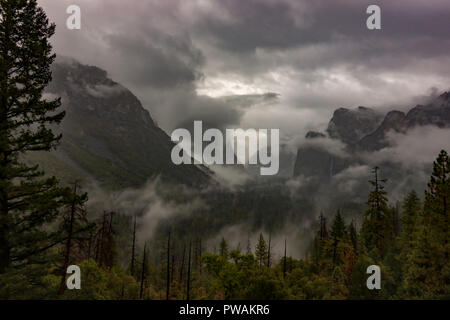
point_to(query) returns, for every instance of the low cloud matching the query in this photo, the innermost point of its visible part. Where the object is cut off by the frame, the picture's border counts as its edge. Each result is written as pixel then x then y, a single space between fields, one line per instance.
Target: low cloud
pixel 417 148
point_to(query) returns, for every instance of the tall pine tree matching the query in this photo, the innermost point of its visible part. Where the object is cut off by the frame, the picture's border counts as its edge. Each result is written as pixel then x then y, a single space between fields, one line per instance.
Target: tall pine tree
pixel 428 269
pixel 261 250
pixel 377 224
pixel 27 200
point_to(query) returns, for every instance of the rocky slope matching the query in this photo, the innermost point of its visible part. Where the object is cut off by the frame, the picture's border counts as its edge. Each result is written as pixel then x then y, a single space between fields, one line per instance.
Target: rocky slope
pixel 365 130
pixel 107 135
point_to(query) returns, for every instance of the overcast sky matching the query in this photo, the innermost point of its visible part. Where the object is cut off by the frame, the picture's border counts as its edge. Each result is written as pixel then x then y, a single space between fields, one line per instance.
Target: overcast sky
pixel 181 57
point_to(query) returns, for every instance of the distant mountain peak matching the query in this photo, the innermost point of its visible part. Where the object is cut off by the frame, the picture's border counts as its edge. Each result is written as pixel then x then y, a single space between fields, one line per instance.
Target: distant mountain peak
pixel 109 134
pixel 364 129
pixel 350 125
pixel 445 96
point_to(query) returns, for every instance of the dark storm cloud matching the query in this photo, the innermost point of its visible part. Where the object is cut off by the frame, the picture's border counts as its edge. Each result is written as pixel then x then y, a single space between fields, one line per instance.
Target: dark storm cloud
pixel 157 59
pixel 318 55
pixel 409 30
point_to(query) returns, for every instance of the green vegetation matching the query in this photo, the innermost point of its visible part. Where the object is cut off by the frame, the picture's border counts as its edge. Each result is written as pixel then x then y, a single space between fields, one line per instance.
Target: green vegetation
pixel 45 228
pixel 409 244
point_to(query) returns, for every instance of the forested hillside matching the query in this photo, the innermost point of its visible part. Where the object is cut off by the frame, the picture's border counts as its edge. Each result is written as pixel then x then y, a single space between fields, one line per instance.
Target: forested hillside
pixel 152 230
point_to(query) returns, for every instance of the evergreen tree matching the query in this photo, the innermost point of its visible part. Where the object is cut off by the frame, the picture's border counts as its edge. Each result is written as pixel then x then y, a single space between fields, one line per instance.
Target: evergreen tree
pixel 337 230
pixel 249 246
pixel 337 233
pixel 428 273
pixel 376 228
pixel 224 248
pixel 411 209
pixel 353 235
pixel 27 200
pixel 261 250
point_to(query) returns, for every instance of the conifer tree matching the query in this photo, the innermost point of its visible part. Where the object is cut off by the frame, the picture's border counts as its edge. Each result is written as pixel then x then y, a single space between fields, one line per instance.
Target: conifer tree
pixel 377 224
pixel 353 235
pixel 411 210
pixel 337 232
pixel 428 270
pixel 261 250
pixel 249 246
pixel 27 200
pixel 224 248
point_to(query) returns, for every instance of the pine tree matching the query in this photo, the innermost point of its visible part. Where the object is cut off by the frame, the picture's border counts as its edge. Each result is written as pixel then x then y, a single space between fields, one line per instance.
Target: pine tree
pixel 353 235
pixel 320 241
pixel 224 248
pixel 377 224
pixel 323 232
pixel 436 207
pixel 337 232
pixel 27 200
pixel 411 209
pixel 261 250
pixel 428 270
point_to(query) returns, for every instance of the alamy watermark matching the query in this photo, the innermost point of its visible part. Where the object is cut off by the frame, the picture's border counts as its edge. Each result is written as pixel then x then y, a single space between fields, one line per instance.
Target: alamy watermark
pixel 240 146
pixel 74 280
pixel 73 22
pixel 373 22
pixel 374 281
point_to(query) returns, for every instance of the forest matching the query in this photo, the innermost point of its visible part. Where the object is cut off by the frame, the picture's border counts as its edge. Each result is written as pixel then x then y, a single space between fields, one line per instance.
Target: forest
pixel 46 226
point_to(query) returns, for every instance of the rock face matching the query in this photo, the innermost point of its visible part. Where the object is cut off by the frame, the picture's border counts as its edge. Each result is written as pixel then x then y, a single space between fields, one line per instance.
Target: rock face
pixel 313 160
pixel 350 126
pixel 377 139
pixel 108 134
pixel 363 129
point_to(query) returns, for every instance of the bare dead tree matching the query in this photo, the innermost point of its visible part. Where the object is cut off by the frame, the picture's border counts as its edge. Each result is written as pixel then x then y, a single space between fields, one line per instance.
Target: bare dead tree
pixel 133 248
pixel 143 271
pixel 168 268
pixel 189 274
pixel 268 251
pixel 182 263
pixel 284 261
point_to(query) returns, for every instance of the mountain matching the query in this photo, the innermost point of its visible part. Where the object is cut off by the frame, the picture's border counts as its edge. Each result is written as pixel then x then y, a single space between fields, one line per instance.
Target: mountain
pixel 350 126
pixel 107 134
pixel 364 130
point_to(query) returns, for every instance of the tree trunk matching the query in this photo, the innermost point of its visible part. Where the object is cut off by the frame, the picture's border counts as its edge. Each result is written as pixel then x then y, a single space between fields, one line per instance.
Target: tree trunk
pixel 284 262
pixel 62 285
pixel 168 268
pixel 189 273
pixel 182 263
pixel 143 272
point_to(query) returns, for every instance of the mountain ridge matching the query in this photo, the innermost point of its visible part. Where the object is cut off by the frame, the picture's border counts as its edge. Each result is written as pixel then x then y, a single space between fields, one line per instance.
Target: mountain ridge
pixel 364 130
pixel 108 135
